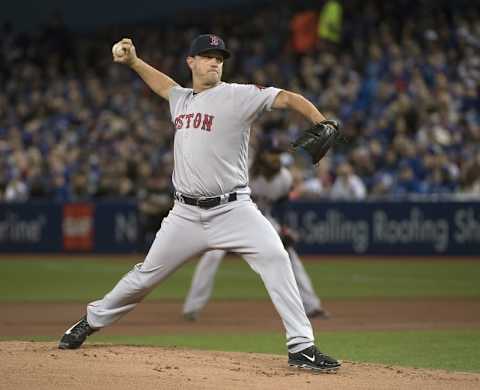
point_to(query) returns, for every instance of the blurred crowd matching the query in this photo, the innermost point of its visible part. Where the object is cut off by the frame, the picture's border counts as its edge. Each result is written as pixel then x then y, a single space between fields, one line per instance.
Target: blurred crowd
pixel 405 85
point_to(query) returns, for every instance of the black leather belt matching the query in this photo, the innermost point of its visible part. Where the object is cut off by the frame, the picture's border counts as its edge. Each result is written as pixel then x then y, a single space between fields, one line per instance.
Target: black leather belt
pixel 206 203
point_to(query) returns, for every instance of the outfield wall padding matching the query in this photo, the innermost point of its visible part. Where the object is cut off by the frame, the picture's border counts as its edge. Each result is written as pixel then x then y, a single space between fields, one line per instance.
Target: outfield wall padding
pixel 389 228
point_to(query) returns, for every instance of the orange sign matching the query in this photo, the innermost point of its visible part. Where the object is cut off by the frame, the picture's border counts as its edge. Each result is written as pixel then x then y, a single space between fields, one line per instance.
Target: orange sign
pixel 78 227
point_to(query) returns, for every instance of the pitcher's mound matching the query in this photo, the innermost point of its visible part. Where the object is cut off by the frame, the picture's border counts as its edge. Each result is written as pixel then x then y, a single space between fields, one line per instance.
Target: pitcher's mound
pixel 39 365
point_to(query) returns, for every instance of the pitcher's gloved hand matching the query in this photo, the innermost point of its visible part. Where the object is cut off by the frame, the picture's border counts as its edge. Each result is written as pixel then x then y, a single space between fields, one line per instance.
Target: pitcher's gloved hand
pixel 318 139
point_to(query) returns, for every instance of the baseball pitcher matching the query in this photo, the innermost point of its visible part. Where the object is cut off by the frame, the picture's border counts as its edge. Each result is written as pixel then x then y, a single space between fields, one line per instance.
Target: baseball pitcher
pixel 212 208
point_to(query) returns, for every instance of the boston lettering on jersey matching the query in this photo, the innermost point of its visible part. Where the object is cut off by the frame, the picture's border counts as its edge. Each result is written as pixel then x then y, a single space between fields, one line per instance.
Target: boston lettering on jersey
pixel 195 120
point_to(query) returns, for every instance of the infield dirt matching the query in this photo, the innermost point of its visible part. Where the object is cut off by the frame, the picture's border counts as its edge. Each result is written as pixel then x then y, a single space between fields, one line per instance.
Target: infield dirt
pixel 28 365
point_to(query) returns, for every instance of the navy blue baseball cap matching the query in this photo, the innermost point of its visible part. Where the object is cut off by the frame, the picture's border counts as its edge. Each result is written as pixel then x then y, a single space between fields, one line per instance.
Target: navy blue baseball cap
pixel 207 42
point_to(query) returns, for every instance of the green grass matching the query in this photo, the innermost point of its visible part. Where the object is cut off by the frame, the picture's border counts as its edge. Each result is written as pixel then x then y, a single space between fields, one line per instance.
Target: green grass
pixel 81 280
pixel 457 350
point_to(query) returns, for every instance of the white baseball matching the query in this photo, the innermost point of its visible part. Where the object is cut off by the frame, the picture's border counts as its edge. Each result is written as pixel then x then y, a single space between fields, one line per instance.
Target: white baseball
pixel 118 50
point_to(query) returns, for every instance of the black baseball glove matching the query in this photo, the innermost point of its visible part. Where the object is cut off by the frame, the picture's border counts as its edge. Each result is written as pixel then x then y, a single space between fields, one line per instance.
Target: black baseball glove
pixel 318 139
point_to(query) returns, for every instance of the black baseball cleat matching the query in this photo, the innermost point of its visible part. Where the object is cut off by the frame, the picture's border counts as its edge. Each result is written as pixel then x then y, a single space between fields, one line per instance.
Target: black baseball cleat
pixel 190 316
pixel 76 334
pixel 320 314
pixel 311 358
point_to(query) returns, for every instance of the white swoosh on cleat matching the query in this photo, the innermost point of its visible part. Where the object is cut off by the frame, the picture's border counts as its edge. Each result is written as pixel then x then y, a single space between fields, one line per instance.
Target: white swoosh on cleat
pixel 312 359
pixel 74 325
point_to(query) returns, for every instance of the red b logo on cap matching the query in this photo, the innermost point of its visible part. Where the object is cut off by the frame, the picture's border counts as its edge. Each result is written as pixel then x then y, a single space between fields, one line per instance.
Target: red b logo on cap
pixel 214 40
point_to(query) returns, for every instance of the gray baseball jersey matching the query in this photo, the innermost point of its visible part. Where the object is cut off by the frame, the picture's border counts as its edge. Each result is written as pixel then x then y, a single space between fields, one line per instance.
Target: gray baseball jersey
pixel 212 134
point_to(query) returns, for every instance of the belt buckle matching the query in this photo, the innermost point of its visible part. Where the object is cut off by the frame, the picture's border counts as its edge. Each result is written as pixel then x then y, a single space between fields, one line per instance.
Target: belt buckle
pixel 199 201
pixel 224 199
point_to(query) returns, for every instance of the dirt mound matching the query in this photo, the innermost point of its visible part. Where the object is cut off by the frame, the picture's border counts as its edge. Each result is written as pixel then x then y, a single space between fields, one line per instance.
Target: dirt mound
pixel 29 365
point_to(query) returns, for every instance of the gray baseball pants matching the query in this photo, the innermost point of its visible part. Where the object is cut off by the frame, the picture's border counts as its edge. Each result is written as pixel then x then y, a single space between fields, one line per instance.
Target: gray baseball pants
pixel 237 227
